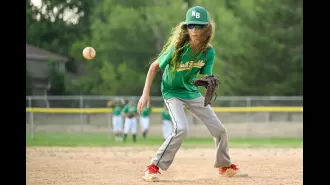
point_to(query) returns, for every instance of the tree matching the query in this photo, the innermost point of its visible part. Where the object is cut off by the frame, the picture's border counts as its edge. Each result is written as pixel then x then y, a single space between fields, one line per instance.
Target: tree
pixel 266 58
pixel 126 37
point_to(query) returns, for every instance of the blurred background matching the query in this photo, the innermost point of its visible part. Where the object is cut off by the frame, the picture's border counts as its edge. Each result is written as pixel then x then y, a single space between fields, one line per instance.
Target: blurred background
pixel 259 60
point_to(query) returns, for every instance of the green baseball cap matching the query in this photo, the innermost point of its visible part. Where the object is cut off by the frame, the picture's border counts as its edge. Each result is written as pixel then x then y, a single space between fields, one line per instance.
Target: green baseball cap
pixel 197 15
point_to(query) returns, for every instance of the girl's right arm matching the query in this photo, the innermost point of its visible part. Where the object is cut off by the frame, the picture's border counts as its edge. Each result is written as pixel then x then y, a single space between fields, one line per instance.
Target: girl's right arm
pixel 145 99
pixel 150 77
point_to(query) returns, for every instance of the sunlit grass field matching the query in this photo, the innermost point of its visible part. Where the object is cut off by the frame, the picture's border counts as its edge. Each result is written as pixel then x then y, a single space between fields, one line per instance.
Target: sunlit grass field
pixel 101 139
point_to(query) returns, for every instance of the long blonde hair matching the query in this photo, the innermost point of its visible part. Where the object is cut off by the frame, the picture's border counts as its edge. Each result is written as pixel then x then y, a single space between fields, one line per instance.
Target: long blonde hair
pixel 179 38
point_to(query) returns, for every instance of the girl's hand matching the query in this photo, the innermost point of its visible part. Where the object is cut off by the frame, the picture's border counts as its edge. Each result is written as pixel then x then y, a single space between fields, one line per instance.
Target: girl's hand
pixel 144 101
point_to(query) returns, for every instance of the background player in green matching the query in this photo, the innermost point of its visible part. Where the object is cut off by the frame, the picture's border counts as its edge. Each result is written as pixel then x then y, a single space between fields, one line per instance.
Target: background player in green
pixel 130 113
pixel 117 120
pixel 187 54
pixel 167 122
pixel 145 121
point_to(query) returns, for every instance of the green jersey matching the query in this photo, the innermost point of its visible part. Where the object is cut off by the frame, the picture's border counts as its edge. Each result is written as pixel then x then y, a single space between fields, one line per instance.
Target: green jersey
pixel 146 112
pixel 130 109
pixel 116 109
pixel 166 115
pixel 181 84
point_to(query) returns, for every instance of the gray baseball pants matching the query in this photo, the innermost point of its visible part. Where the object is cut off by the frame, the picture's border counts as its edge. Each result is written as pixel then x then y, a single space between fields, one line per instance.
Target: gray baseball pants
pixel 166 153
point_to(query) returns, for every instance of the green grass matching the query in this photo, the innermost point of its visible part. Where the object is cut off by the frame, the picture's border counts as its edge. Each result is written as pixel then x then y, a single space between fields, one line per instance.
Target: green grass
pixel 100 139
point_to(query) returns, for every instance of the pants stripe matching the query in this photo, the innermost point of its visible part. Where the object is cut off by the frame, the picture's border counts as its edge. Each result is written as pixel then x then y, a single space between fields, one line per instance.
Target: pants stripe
pixel 175 131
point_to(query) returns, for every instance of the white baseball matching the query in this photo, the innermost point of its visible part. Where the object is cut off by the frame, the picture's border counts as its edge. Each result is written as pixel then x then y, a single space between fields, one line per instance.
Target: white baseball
pixel 89 53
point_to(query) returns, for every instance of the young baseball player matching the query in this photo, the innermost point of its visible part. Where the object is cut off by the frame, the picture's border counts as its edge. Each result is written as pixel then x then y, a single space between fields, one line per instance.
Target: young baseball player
pixel 167 123
pixel 186 54
pixel 144 121
pixel 130 113
pixel 117 121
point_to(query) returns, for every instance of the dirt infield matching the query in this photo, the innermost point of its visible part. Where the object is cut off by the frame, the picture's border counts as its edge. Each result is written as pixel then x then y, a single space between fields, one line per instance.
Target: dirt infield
pixel 119 166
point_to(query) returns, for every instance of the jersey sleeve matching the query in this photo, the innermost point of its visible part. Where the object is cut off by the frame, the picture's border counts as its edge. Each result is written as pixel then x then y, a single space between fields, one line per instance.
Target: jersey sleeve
pixel 166 57
pixel 207 68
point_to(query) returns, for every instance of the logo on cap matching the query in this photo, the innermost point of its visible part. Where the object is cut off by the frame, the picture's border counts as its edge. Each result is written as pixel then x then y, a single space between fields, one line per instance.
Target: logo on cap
pixel 195 14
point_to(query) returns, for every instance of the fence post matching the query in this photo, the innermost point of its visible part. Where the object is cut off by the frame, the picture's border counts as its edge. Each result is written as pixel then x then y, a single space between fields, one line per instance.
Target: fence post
pixel 248 104
pixel 267 117
pixel 248 101
pixel 247 117
pixel 81 106
pixel 31 119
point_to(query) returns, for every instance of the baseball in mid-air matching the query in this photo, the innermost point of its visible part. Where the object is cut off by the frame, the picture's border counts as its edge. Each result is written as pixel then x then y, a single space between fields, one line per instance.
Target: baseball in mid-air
pixel 89 53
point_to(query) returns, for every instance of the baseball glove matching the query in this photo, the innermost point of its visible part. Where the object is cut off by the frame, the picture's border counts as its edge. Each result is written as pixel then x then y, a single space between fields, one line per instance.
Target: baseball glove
pixel 211 84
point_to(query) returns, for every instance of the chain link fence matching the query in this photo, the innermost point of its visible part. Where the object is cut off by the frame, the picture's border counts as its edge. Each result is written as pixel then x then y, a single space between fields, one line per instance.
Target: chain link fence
pixel 238 124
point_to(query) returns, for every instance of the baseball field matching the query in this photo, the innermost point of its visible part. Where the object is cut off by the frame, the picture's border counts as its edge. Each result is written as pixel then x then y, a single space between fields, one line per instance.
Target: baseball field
pixel 95 159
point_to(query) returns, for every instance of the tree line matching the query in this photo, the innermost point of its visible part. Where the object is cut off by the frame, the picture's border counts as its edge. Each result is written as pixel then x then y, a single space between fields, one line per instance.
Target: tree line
pixel 258 43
